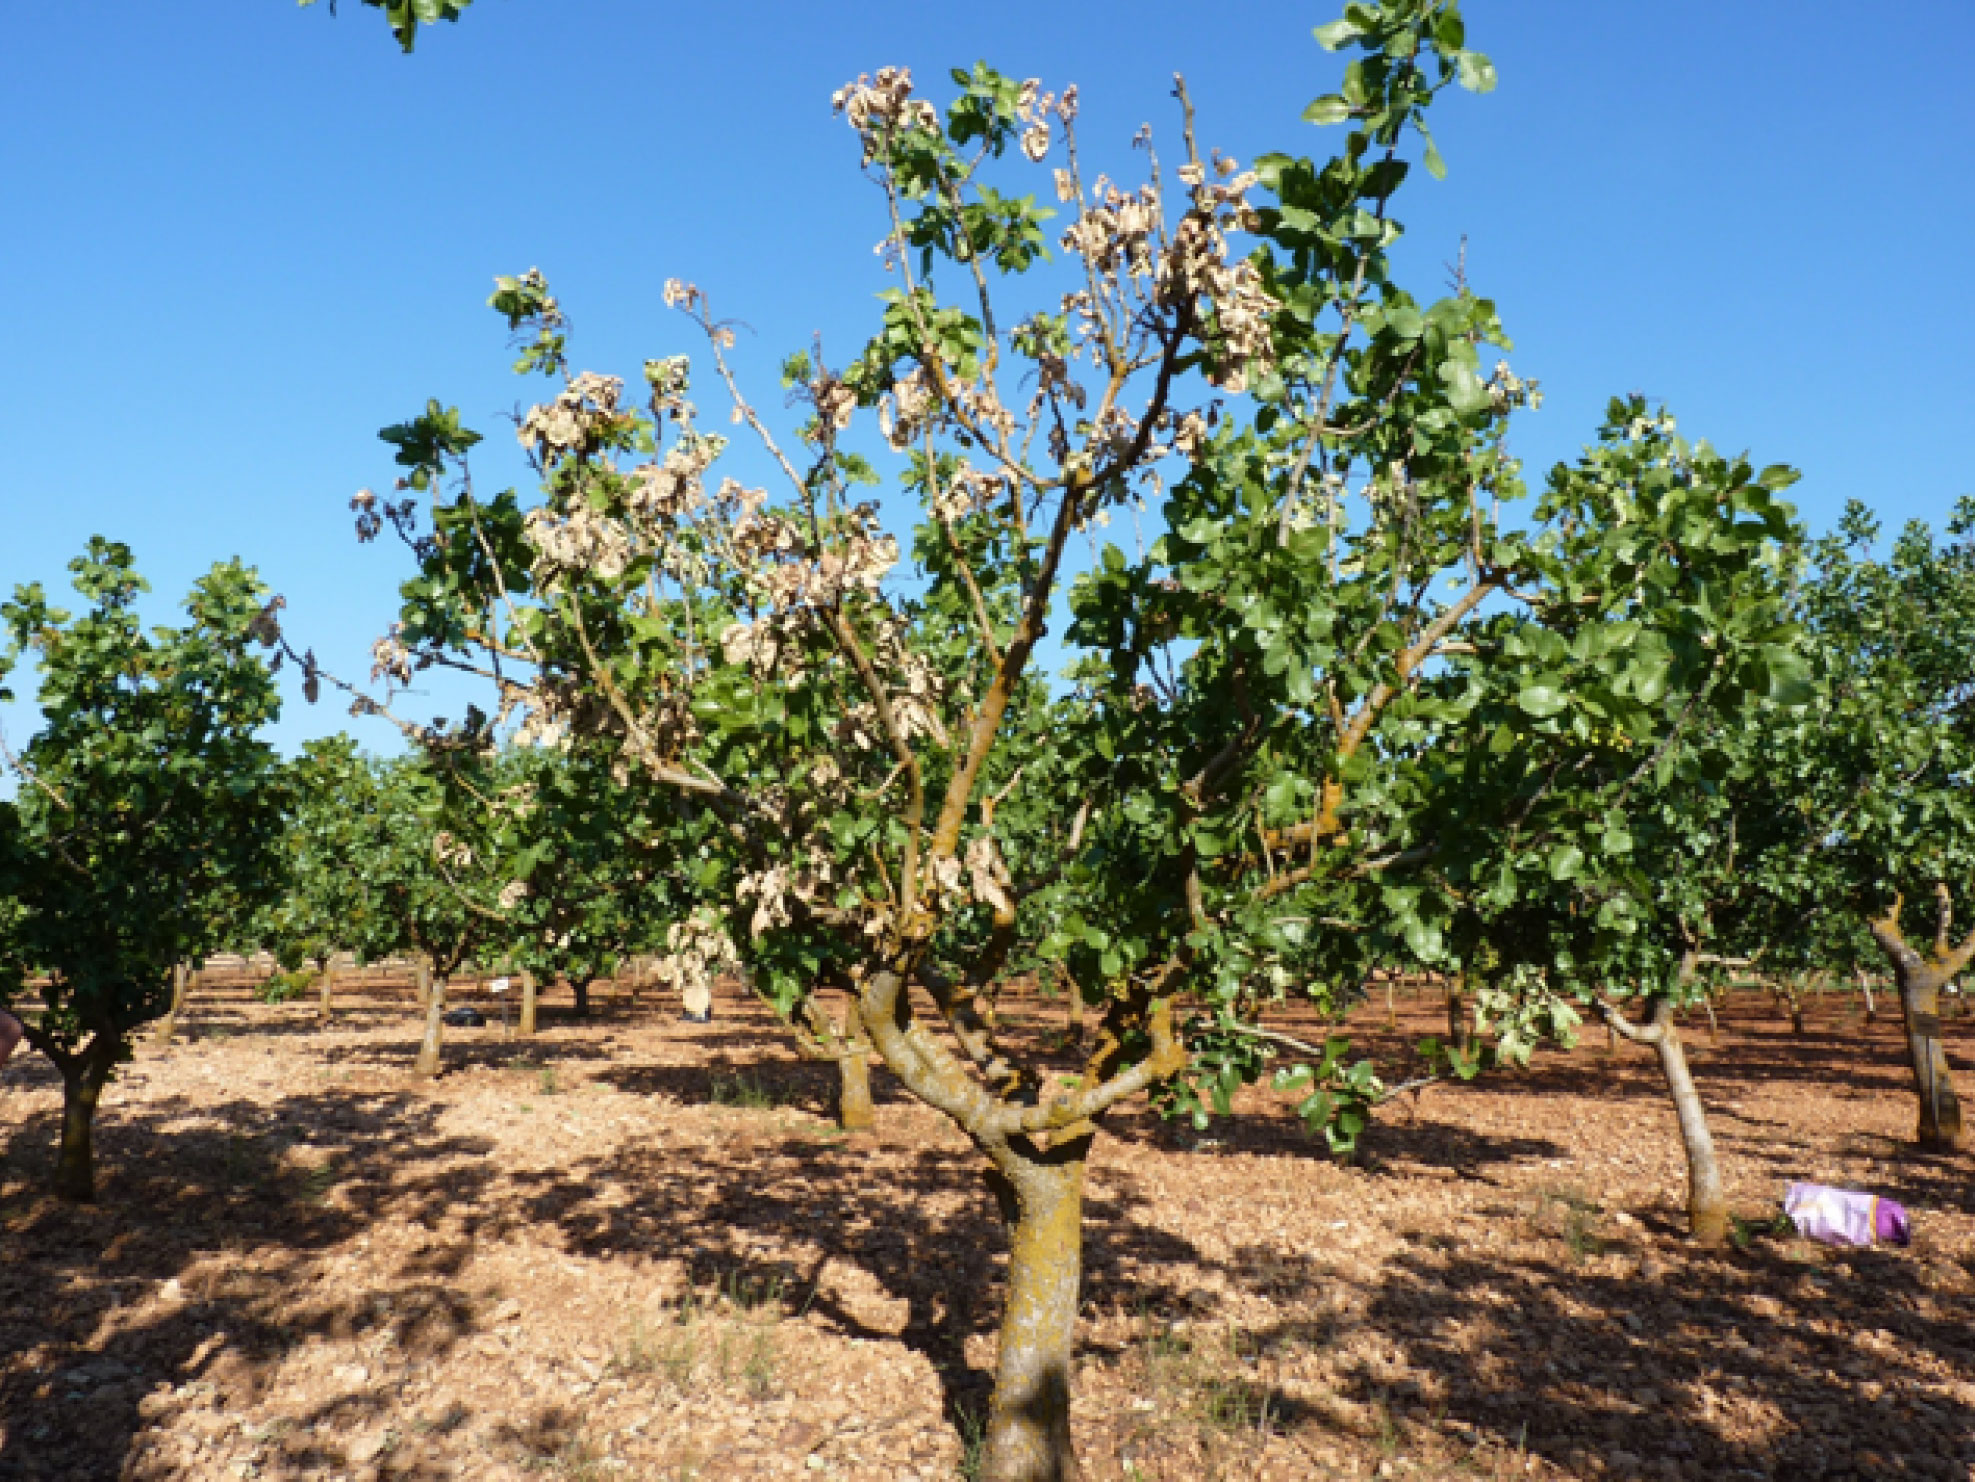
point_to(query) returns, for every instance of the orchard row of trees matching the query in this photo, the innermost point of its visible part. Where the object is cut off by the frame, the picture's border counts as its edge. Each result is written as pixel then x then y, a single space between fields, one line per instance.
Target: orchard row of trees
pixel 1364 699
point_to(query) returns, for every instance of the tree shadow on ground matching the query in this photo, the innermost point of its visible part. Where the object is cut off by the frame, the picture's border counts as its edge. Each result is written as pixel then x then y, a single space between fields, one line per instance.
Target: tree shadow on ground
pixel 876 1241
pixel 1598 1369
pixel 200 1265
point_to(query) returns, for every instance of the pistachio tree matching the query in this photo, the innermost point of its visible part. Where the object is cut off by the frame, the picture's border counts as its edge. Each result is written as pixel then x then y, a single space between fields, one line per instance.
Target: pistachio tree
pixel 147 814
pixel 590 876
pixel 321 909
pixel 1212 815
pixel 1874 773
pixel 1599 823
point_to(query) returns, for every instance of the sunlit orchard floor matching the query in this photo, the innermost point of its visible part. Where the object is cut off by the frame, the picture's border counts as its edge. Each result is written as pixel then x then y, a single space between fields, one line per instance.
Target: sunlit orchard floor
pixel 636 1248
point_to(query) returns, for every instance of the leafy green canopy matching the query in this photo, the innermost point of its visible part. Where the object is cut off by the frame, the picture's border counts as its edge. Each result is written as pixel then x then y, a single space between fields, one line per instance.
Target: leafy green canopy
pixel 149 805
pixel 1868 788
pixel 530 857
pixel 1591 845
pixel 1232 807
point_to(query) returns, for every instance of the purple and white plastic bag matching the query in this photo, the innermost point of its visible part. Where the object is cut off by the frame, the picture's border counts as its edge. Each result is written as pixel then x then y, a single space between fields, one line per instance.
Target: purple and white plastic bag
pixel 1844 1217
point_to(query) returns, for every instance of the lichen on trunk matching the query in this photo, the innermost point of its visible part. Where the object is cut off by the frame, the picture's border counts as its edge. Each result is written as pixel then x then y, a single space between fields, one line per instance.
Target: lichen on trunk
pixel 1940 1126
pixel 855 1110
pixel 433 1044
pixel 1028 1430
pixel 1919 979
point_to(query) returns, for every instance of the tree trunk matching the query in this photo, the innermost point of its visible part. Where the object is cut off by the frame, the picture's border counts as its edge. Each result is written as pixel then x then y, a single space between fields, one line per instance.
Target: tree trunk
pixel 325 1007
pixel 422 982
pixel 1707 1203
pixel 181 976
pixel 579 987
pixel 1940 1109
pixel 1865 987
pixel 855 1110
pixel 1028 1434
pixel 83 1080
pixel 1919 981
pixel 1457 1016
pixel 527 1027
pixel 427 1063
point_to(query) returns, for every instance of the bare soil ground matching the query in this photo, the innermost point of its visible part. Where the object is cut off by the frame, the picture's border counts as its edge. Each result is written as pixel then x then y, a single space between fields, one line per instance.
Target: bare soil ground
pixel 636 1248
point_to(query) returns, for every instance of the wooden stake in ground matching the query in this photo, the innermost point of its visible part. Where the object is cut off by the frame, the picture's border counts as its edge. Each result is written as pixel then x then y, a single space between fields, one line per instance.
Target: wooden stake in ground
pixel 325 1005
pixel 427 1063
pixel 1707 1203
pixel 526 1029
pixel 181 978
pixel 1920 980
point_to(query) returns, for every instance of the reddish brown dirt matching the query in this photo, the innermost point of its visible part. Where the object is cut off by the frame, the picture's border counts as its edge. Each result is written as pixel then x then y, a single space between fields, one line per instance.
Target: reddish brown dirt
pixel 636 1249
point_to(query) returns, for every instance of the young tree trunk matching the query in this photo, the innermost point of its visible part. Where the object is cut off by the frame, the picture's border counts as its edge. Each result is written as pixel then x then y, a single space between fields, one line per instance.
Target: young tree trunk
pixel 83 1079
pixel 168 1026
pixel 1865 987
pixel 579 988
pixel 527 1027
pixel 1458 1026
pixel 1707 1202
pixel 422 982
pixel 1028 1433
pixel 821 1035
pixel 427 1063
pixel 855 1110
pixel 1919 980
pixel 325 1006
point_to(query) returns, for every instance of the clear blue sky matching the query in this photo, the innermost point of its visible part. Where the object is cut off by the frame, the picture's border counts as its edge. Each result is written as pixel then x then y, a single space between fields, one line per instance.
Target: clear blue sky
pixel 240 236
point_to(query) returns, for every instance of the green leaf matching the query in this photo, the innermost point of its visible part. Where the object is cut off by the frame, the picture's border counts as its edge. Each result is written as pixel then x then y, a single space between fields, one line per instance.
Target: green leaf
pixel 1436 164
pixel 1329 109
pixel 1338 33
pixel 1542 701
pixel 1477 73
pixel 1465 391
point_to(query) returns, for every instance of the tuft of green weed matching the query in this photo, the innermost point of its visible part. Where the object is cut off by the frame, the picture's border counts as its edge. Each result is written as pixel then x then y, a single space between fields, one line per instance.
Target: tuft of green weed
pixel 1745 1233
pixel 1206 1379
pixel 973 1442
pixel 317 1182
pixel 550 1087
pixel 742 1091
pixel 1569 1212
pixel 726 1331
